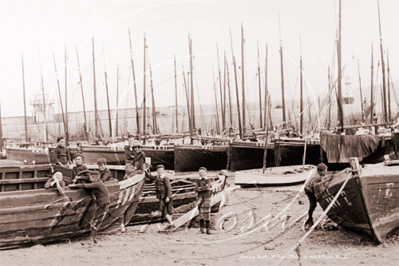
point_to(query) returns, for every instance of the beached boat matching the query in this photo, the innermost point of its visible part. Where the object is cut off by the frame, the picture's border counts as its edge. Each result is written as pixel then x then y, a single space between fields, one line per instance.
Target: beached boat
pixel 369 202
pixel 191 157
pixel 34 155
pixel 283 175
pixel 184 197
pixel 30 214
pixel 115 155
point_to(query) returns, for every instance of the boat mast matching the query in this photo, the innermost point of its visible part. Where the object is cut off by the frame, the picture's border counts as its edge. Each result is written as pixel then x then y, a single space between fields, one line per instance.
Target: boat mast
pixel 340 109
pixel 144 91
pixel 282 74
pixel 383 68
pixel 360 89
pixel 95 93
pixel 267 133
pixel 192 88
pixel 23 86
pixel 228 87
pixel 44 101
pixel 221 92
pixel 216 103
pixel 59 94
pixel 260 93
pixel 177 112
pixel 135 88
pixel 329 98
pixel 106 89
pixel 372 89
pixel 266 124
pixel 187 99
pixel 243 77
pixel 224 91
pixel 301 82
pixel 66 100
pixel 237 93
pixel 389 89
pixel 117 100
pixel 83 97
pixel 154 115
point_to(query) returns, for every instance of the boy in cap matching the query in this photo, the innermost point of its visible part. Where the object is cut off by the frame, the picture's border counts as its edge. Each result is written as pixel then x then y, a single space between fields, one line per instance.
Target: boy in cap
pixel 129 154
pixel 105 173
pixel 78 168
pixel 163 191
pixel 61 153
pixel 317 177
pixel 101 197
pixel 139 158
pixel 203 187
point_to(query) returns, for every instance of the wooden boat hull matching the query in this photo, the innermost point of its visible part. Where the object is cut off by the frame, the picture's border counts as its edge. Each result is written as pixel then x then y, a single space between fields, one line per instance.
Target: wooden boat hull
pixel 249 155
pixel 192 157
pixel 369 203
pixel 158 154
pixel 30 216
pixel 284 175
pixel 34 156
pixel 184 199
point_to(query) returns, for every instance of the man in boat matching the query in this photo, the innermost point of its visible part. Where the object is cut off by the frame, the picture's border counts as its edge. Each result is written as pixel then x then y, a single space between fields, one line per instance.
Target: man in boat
pixel 203 187
pixel 61 154
pixel 101 196
pixel 105 173
pixel 317 177
pixel 129 154
pixel 80 172
pixel 163 191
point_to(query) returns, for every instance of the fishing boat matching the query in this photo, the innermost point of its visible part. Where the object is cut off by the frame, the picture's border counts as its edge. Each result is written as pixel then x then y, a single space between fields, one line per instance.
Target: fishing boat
pixel 283 175
pixel 30 214
pixel 184 197
pixel 34 155
pixel 369 201
pixel 115 155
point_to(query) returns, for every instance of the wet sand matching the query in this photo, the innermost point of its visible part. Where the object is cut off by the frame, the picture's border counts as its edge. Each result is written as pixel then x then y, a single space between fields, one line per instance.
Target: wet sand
pixel 234 245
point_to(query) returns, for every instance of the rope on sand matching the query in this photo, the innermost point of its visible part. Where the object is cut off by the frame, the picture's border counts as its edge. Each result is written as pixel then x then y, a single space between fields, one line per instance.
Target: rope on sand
pixel 297 245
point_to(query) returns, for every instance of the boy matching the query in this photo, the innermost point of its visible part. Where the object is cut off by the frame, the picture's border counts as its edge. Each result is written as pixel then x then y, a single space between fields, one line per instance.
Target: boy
pixel 105 173
pixel 52 182
pixel 317 177
pixel 163 191
pixel 203 187
pixel 129 154
pixel 101 195
pixel 61 153
pixel 78 168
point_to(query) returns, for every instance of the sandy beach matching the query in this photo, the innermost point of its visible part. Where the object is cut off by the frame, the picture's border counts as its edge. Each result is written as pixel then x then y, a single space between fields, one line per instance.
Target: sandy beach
pixel 231 242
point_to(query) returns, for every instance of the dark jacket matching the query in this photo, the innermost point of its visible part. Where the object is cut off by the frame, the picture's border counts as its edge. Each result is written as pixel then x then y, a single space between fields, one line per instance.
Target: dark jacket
pixel 129 154
pixel 99 190
pixel 139 160
pixel 79 168
pixel 61 155
pixel 203 187
pixel 105 175
pixel 162 186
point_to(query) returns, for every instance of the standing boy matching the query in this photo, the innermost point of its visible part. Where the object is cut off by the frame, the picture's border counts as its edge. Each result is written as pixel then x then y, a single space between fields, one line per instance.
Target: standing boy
pixel 203 187
pixel 129 154
pixel 61 153
pixel 101 197
pixel 163 191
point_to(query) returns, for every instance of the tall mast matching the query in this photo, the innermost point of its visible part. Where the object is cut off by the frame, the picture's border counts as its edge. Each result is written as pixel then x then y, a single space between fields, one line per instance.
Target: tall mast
pixel 44 101
pixel 329 98
pixel 372 88
pixel 360 89
pixel 135 88
pixel 144 91
pixel 224 91
pixel 237 93
pixel 341 111
pixel 59 94
pixel 192 89
pixel 154 114
pixel 260 93
pixel 177 112
pixel 228 87
pixel 216 103
pixel 221 92
pixel 301 82
pixel 282 74
pixel 266 124
pixel 243 77
pixel 389 91
pixel 187 100
pixel 95 94
pixel 66 101
pixel 83 97
pixel 23 86
pixel 106 89
pixel 383 69
pixel 117 100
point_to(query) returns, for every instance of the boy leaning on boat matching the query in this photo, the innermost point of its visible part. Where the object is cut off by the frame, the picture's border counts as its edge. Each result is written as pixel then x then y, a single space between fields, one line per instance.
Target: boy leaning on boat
pixel 101 196
pixel 163 191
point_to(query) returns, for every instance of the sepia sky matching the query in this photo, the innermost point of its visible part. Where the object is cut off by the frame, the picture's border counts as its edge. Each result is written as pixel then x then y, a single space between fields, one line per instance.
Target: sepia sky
pixel 30 28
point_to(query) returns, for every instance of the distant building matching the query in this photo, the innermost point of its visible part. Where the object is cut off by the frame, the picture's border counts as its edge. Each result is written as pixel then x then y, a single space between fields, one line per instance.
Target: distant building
pixel 38 108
